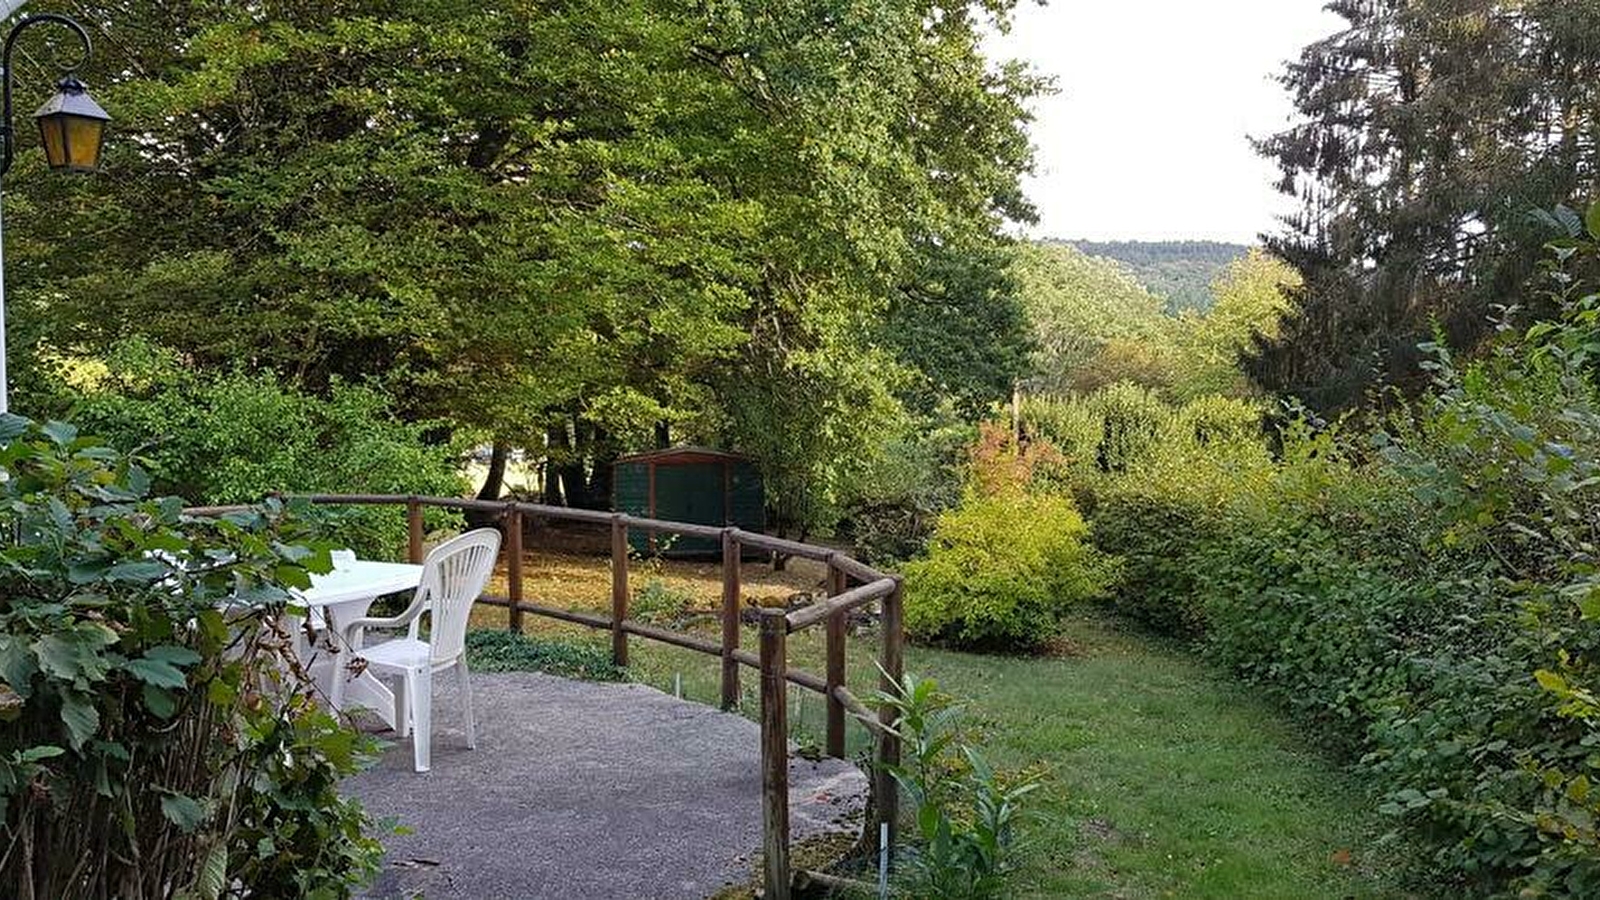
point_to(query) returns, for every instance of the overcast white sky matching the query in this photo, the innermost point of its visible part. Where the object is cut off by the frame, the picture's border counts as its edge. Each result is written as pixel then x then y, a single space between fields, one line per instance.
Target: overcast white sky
pixel 1147 138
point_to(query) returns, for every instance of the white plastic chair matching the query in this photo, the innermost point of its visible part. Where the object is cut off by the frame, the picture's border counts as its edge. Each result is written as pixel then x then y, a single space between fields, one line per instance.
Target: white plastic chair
pixel 453 576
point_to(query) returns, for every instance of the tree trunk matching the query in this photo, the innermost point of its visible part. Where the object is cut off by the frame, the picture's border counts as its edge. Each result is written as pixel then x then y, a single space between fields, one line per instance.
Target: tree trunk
pixel 570 467
pixel 780 561
pixel 558 446
pixel 600 477
pixel 493 484
pixel 495 481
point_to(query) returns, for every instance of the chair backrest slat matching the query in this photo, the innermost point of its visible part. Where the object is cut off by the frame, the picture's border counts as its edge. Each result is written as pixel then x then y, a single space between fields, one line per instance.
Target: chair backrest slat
pixel 454 575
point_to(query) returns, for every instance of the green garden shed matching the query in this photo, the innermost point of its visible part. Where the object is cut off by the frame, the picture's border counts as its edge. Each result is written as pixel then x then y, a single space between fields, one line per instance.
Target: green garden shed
pixel 688 484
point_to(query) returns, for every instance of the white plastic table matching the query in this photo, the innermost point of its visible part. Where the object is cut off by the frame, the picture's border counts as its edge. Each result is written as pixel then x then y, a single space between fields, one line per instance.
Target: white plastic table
pixel 344 595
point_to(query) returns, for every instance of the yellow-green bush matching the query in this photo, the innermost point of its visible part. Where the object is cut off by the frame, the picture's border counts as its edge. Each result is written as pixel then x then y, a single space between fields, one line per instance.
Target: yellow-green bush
pixel 1001 570
pixel 1214 420
pixel 1152 477
pixel 1130 424
pixel 1070 424
pixel 1158 513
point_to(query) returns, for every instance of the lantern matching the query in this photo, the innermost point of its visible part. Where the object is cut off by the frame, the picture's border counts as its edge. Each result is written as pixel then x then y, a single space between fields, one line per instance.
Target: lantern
pixel 73 127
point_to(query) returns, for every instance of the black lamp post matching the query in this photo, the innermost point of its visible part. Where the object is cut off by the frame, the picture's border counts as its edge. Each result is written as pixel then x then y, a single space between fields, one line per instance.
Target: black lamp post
pixel 71 127
pixel 71 124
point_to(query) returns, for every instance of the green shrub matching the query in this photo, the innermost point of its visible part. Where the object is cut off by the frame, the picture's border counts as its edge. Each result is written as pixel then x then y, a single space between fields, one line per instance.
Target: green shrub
pixel 894 504
pixel 1213 419
pixel 157 745
pixel 1337 593
pixel 1072 425
pixel 1131 418
pixel 1154 478
pixel 1001 570
pixel 1158 513
pixel 657 602
pixel 1428 592
pixel 225 439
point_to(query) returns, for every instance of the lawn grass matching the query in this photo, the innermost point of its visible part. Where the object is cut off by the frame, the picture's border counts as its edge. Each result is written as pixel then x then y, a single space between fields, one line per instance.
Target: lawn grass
pixel 1166 779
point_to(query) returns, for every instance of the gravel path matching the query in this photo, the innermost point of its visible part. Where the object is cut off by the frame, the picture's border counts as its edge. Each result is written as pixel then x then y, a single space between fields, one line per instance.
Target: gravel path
pixel 585 790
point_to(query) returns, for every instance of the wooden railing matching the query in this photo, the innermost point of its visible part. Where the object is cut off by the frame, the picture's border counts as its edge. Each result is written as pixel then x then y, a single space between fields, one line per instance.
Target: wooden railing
pixel 851 585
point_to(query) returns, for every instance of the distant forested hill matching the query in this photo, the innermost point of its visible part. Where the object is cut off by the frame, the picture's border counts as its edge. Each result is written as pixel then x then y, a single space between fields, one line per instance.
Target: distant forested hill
pixel 1181 272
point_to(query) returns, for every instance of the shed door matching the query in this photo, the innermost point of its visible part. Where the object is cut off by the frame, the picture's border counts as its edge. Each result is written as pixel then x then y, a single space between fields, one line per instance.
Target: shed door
pixel 690 493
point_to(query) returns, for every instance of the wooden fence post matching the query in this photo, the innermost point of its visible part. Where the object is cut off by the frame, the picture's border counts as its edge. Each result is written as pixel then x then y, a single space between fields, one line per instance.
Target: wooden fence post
pixel 513 547
pixel 836 625
pixel 884 790
pixel 619 590
pixel 775 753
pixel 731 588
pixel 414 530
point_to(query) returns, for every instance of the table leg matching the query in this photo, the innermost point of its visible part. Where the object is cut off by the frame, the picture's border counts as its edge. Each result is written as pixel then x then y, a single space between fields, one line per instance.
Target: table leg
pixel 363 691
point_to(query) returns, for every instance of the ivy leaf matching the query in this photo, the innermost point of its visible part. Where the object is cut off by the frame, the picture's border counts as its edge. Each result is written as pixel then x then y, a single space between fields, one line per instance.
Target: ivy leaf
pixel 139 570
pixel 1568 217
pixel 174 654
pixel 1590 605
pixel 138 481
pixel 183 811
pixel 160 702
pixel 41 752
pixel 74 654
pixel 17 665
pixel 62 433
pixel 1550 681
pixel 85 571
pixel 214 873
pixel 156 672
pixel 80 717
pixel 12 426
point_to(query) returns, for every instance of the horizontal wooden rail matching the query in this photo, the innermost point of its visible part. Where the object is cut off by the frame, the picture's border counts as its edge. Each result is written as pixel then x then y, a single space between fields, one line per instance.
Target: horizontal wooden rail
pixel 675 638
pixel 210 511
pixel 865 716
pixel 550 612
pixel 808 616
pixel 364 499
pixel 798 677
pixel 786 547
pixel 566 615
pixel 657 525
pixel 587 516
pixel 856 569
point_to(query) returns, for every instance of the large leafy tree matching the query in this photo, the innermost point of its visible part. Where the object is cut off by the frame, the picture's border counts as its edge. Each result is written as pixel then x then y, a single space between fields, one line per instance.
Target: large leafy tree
pixel 579 223
pixel 962 331
pixel 1430 129
pixel 419 192
pixel 907 147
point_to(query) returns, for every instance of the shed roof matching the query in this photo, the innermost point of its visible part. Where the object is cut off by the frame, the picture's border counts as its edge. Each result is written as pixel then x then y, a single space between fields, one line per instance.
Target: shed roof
pixel 682 454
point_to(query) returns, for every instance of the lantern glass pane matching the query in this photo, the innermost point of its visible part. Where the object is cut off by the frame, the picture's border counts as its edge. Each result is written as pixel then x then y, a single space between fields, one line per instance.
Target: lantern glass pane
pixel 83 142
pixel 55 141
